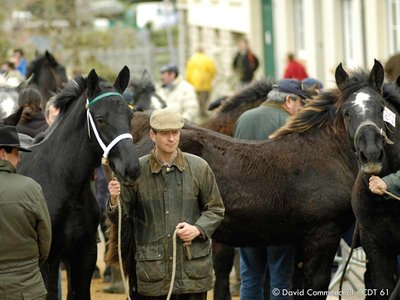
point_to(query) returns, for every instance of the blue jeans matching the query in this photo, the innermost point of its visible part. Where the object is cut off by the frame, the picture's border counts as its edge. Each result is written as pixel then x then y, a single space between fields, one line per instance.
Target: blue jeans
pixel 255 261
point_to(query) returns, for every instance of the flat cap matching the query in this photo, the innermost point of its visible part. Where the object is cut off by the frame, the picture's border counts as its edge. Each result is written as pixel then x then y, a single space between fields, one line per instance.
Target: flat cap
pixel 171 68
pixel 290 86
pixel 166 119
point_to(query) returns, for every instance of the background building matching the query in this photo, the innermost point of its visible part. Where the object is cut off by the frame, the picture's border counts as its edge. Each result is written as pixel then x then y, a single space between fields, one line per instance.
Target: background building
pixel 320 33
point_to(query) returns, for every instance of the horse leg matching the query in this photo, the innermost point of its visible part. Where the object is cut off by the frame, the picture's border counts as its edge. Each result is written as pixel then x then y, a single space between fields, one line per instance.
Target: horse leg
pixel 223 256
pixel 319 251
pixel 82 264
pixel 382 265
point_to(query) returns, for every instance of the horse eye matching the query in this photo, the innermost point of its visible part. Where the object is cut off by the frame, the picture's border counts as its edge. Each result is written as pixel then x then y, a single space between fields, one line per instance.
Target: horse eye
pixel 100 120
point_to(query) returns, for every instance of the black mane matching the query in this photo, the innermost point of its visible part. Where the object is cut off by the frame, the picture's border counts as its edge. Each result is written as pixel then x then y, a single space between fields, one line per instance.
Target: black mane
pixel 256 91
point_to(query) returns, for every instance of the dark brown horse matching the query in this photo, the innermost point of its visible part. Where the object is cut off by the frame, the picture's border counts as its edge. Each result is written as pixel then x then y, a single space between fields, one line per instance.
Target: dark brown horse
pixel 295 188
pixel 378 216
pixel 226 115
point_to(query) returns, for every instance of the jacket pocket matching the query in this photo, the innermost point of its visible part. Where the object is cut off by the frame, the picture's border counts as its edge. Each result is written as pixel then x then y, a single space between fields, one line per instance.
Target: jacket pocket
pixel 200 266
pixel 150 265
pixel 36 293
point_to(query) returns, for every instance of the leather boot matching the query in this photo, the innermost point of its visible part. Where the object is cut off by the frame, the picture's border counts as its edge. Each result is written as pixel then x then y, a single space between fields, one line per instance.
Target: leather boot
pixel 116 286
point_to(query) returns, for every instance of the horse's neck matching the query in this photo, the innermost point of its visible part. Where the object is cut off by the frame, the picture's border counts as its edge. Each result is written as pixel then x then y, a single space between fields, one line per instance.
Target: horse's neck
pixel 74 152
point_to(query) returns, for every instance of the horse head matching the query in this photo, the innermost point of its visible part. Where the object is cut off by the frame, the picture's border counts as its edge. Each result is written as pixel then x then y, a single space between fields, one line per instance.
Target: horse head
pixel 141 93
pixel 362 111
pixel 47 74
pixel 110 117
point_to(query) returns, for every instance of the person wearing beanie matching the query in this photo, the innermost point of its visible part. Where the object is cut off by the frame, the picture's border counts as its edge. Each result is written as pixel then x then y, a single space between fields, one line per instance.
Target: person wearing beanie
pixel 176 192
pixel 284 100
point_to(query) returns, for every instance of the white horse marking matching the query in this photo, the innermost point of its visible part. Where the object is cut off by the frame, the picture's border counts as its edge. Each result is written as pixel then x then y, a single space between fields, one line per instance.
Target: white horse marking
pixel 360 101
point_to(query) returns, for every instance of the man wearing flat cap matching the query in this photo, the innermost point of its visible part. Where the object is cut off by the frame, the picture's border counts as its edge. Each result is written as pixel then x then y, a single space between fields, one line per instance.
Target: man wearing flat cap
pixel 176 191
pixel 25 225
pixel 284 100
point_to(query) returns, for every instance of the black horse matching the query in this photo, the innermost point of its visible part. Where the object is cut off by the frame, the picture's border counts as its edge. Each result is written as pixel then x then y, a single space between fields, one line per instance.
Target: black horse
pixel 47 75
pixel 378 216
pixel 63 163
pixel 141 94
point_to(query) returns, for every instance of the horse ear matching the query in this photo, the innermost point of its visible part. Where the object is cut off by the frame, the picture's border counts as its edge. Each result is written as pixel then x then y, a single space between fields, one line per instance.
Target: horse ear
pixel 24 84
pixel 14 118
pixel 122 80
pixel 146 74
pixel 92 83
pixel 50 58
pixel 377 75
pixel 398 81
pixel 340 75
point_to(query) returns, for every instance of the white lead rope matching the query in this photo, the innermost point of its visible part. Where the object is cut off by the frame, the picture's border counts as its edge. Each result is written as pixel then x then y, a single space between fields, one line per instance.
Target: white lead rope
pixel 173 274
pixel 125 280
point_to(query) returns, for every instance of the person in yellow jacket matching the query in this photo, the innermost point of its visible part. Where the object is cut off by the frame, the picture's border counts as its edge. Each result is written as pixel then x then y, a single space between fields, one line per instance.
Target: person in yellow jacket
pixel 200 72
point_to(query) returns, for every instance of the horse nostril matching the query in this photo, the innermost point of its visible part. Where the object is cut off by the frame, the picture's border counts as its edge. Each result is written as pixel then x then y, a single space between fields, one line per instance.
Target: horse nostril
pixel 380 157
pixel 363 158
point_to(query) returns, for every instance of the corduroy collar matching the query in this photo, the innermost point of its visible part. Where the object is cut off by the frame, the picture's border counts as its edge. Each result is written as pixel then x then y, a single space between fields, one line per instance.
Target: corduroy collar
pixel 156 165
pixel 6 166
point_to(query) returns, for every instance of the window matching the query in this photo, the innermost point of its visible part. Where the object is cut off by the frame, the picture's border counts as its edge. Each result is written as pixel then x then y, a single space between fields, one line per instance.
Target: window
pixel 348 32
pixel 299 28
pixel 393 7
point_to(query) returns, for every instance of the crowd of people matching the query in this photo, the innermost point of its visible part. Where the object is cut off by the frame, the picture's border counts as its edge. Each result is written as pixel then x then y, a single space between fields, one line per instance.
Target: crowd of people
pixel 176 193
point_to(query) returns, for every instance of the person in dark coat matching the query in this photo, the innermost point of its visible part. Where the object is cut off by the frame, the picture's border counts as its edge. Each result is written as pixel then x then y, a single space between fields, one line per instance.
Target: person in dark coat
pixel 33 120
pixel 245 62
pixel 25 237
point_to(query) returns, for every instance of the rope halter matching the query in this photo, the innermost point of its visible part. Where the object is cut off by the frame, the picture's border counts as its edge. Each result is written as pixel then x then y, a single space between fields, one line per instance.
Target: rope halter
pixel 370 123
pixel 90 121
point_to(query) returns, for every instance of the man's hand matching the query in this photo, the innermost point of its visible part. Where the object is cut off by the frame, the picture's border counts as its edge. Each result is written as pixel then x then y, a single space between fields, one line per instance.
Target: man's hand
pixel 115 189
pixel 377 185
pixel 187 232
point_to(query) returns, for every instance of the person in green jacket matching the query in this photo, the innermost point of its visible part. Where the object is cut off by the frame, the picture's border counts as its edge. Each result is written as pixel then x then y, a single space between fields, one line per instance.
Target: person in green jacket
pixel 176 192
pixel 25 225
pixel 284 100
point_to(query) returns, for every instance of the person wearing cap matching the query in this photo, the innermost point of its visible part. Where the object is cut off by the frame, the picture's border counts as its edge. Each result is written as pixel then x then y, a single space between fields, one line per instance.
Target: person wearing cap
pixel 179 94
pixel 284 100
pixel 176 191
pixel 25 225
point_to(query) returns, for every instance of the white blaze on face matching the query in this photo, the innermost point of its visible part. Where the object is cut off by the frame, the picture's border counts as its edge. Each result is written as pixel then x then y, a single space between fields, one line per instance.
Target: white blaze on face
pixel 360 101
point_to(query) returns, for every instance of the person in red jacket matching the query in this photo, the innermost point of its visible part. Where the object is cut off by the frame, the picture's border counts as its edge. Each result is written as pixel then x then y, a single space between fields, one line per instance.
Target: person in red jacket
pixel 294 69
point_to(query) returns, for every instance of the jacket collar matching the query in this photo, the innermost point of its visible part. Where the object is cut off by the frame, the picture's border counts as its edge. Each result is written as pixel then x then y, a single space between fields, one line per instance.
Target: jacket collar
pixel 6 166
pixel 156 165
pixel 273 104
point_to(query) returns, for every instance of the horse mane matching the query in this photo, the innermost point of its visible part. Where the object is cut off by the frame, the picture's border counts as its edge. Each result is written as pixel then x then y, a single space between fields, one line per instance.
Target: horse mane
pixel 256 91
pixel 71 91
pixel 324 110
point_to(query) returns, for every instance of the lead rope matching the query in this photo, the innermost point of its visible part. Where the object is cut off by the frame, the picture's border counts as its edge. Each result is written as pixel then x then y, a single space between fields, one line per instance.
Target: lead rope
pixel 355 235
pixel 353 244
pixel 125 280
pixel 171 286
